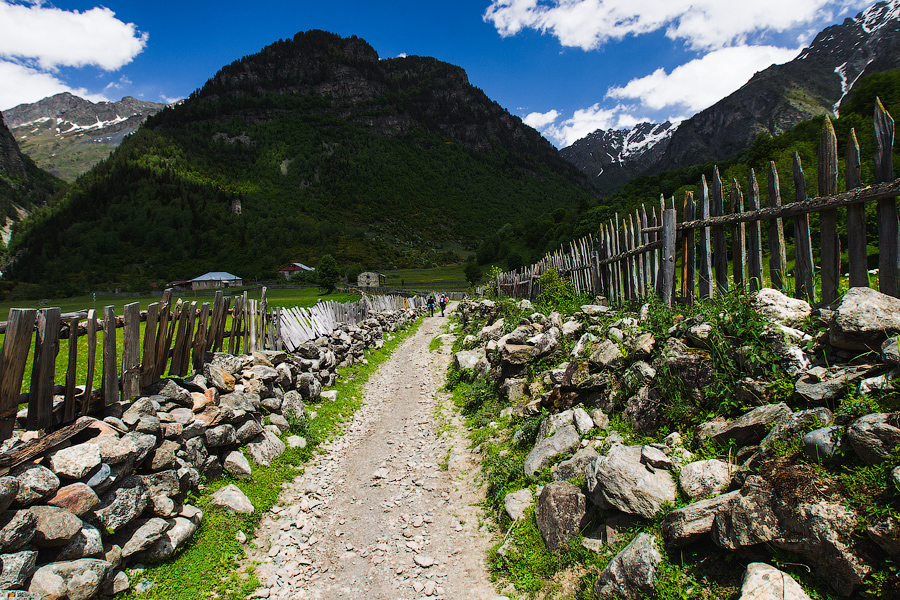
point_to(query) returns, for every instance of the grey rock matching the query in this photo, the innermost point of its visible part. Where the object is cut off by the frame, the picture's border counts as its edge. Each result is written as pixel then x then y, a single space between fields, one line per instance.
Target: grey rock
pixel 144 443
pixel 143 534
pixel 632 572
pixel 655 456
pixel 16 529
pixel 583 343
pixel 693 522
pixel 123 504
pixel 117 584
pixel 560 512
pixel 293 404
pixel 53 526
pixel 279 422
pixel 470 359
pixel 222 435
pixel 821 445
pixel 220 378
pixel 574 467
pixel 139 408
pixel 890 350
pixel 516 503
pixel 35 483
pixel 644 410
pixel 791 425
pixel 17 569
pixel 704 477
pixel 233 499
pixel 181 530
pixel 554 423
pixel 248 430
pixel 74 462
pixel 563 441
pixel 265 448
pixel 9 487
pixel 169 389
pixel 81 578
pixel 100 477
pixel 864 319
pixel 886 533
pixel 77 498
pixel 620 480
pixel 765 582
pixel 514 390
pixel 751 519
pixel 309 387
pixel 237 465
pixel 874 436
pixel 779 308
pixel 87 543
pixel 827 387
pixel 162 483
pixel 752 426
pixel 693 367
pixel 607 354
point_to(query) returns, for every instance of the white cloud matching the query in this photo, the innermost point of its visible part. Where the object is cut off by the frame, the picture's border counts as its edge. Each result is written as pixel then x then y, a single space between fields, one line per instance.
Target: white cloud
pixel 585 121
pixel 540 120
pixel 701 24
pixel 24 85
pixel 55 38
pixel 170 99
pixel 702 82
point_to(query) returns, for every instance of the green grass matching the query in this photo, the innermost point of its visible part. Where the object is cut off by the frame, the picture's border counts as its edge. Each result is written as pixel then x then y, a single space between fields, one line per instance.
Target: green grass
pixel 207 567
pixel 449 278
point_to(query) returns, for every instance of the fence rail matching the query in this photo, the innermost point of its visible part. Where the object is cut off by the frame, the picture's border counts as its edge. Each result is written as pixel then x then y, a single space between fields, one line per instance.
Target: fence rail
pixel 637 255
pixel 177 335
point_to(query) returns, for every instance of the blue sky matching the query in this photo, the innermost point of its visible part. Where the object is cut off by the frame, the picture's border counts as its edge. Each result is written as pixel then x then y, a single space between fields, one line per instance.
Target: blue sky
pixel 567 67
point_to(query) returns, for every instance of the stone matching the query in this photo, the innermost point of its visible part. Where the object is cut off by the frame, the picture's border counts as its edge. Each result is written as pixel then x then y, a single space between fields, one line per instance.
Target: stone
pixel 516 503
pixel 265 448
pixel 791 425
pixel 423 560
pixel 620 480
pixel 886 533
pixel 644 410
pixel 702 478
pixel 560 513
pixel 143 534
pixel 821 445
pixel 470 359
pixel 231 498
pixel 607 354
pixel 779 308
pixel 295 441
pixel 114 450
pixel 163 457
pixel 573 468
pixel 632 572
pixel 594 309
pixel 35 483
pixel 563 441
pixel 221 435
pixel 583 343
pixel 144 443
pixel 874 436
pixel 515 354
pixel 81 579
pixel 693 522
pixel 863 319
pixel 9 487
pixel 16 529
pixel 53 526
pixel 752 426
pixel 122 504
pixel 87 543
pixel 181 530
pixel 493 331
pixel 309 386
pixel 293 404
pixel 116 585
pixel 248 430
pixel 765 582
pixel 693 367
pixel 600 418
pixel 890 350
pixel 583 422
pixel 17 569
pixel 826 387
pixel 750 518
pixel 77 498
pixel 237 465
pixel 140 408
pixel 219 378
pixel 164 482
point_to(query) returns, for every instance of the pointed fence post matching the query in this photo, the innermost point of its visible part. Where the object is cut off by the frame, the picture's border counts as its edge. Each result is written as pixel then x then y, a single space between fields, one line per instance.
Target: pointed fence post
pixel 754 249
pixel 804 280
pixel 738 238
pixel 720 257
pixel 670 223
pixel 888 226
pixel 856 217
pixel 830 244
pixel 687 261
pixel 777 256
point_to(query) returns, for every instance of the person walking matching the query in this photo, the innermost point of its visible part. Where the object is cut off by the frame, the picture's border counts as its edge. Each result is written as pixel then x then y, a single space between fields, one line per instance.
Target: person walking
pixel 443 303
pixel 430 305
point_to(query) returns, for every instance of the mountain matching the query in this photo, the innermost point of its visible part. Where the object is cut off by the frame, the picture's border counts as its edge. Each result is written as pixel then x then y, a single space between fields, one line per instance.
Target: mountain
pixel 775 99
pixel 23 185
pixel 68 135
pixel 312 146
pixel 610 158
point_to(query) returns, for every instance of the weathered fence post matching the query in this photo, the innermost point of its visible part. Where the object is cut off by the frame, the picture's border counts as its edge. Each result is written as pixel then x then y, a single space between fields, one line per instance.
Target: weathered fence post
pixel 754 247
pixel 687 262
pixel 777 256
pixel 148 363
pixel 131 357
pixel 831 245
pixel 71 372
pixel 13 359
pixel 46 345
pixel 856 217
pixel 804 280
pixel 720 258
pixel 110 380
pixel 738 238
pixel 670 223
pixel 705 278
pixel 888 225
pixel 92 361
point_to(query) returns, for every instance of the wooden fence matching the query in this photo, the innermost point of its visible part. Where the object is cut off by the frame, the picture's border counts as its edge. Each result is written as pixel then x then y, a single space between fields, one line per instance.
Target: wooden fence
pixel 176 337
pixel 637 255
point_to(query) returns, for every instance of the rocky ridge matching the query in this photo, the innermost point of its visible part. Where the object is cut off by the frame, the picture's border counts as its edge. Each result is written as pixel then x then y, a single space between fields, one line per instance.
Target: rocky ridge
pixel 113 494
pixel 759 492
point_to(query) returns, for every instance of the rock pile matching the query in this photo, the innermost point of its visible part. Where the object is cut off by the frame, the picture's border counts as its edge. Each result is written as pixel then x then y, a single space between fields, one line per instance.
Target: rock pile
pixel 610 366
pixel 113 494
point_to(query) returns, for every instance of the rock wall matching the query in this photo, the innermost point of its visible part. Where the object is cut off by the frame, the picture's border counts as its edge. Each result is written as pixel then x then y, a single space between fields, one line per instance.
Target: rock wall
pixel 73 519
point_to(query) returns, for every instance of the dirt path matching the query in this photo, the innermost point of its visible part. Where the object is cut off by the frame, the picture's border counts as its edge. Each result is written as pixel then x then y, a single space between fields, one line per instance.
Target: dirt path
pixel 375 515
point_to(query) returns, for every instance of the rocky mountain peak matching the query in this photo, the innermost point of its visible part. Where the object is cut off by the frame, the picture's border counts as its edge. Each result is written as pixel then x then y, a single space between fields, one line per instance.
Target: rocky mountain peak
pixel 11 161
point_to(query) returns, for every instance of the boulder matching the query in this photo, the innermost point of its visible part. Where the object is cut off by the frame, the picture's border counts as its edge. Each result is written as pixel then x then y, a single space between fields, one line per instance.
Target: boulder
pixel 693 522
pixel 821 445
pixel 53 526
pixel 863 319
pixel 516 503
pixel 35 483
pixel 752 426
pixel 181 530
pixel 231 498
pixel 221 435
pixel 77 579
pixel 9 487
pixel 890 350
pixel 791 425
pixel 170 390
pixel 292 404
pixel 607 354
pixel 779 308
pixel 886 533
pixel 17 569
pixel 563 441
pixel 77 498
pixel 560 513
pixel 644 410
pixel 632 572
pixel 142 534
pixel 750 519
pixel 74 462
pixel 693 367
pixel 87 543
pixel 16 529
pixel 619 479
pixel 765 582
pixel 237 465
pixel 873 436
pixel 702 478
pixel 574 467
pixel 265 448
pixel 123 504
pixel 309 387
pixel 220 378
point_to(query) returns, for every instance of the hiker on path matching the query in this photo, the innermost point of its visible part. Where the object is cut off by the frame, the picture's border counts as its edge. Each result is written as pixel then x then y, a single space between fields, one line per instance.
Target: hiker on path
pixel 443 303
pixel 430 305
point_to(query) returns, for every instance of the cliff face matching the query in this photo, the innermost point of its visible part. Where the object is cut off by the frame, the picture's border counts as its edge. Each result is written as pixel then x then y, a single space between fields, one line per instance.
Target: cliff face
pixel 11 162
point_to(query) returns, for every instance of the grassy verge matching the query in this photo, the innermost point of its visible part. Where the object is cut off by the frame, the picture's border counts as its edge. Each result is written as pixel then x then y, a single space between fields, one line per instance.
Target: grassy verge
pixel 207 566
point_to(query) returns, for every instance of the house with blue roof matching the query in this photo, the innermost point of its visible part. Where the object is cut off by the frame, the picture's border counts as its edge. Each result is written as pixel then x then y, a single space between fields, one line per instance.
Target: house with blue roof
pixel 216 279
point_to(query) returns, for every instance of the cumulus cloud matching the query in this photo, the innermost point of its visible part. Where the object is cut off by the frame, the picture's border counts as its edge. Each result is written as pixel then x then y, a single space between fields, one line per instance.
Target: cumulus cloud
pixel 583 122
pixel 36 40
pixel 702 82
pixel 700 24
pixel 540 120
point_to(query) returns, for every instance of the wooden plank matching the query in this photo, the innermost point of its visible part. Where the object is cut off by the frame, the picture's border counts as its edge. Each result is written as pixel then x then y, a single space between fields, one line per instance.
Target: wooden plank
pixel 690 245
pixel 639 260
pixel 888 225
pixel 46 345
pixel 237 319
pixel 110 380
pixel 170 335
pixel 804 282
pixel 830 250
pixel 654 238
pixel 38 446
pixel 720 257
pixel 754 238
pixel 182 345
pixel 131 357
pixel 91 361
pixel 220 330
pixel 738 238
pixel 217 317
pixel 13 358
pixel 649 258
pixel 856 217
pixel 162 348
pixel 246 319
pixel 191 311
pixel 199 349
pixel 148 362
pixel 705 277
pixel 71 372
pixel 670 220
pixel 777 254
